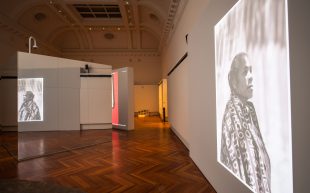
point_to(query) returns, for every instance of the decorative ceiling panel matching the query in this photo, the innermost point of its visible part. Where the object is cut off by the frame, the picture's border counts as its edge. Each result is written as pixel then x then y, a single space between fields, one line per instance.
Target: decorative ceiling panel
pixel 105 25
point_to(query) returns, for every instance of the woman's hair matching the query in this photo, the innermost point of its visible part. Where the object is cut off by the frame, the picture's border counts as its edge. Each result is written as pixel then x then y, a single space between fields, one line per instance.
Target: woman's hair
pixel 234 68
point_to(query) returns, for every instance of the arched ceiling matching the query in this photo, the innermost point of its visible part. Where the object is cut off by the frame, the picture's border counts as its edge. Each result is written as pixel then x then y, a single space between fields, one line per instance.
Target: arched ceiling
pixel 93 25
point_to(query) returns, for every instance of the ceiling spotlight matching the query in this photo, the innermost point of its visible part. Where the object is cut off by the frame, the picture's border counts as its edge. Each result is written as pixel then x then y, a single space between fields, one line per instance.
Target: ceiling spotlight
pixel 103 28
pixel 59 11
pixel 118 28
pixel 127 3
pixel 90 29
pixel 51 2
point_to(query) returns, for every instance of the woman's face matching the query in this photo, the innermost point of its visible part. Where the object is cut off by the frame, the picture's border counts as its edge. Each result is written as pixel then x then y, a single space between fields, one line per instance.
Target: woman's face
pixel 244 79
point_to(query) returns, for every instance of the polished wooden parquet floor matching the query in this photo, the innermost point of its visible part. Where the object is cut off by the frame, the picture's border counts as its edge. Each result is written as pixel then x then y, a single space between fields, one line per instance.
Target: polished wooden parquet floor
pixel 149 159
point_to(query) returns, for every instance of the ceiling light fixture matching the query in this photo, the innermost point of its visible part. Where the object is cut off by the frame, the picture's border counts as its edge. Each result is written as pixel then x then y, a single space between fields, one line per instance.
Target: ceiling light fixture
pixel 34 43
pixel 118 28
pixel 51 2
pixel 90 29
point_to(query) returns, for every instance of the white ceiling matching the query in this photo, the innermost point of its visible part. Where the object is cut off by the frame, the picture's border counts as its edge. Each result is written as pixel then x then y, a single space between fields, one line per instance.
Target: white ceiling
pixel 142 26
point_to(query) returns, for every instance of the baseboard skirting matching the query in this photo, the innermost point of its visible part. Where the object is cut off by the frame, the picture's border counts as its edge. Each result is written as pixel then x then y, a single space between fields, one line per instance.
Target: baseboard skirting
pixel 186 144
pixel 96 126
pixel 8 127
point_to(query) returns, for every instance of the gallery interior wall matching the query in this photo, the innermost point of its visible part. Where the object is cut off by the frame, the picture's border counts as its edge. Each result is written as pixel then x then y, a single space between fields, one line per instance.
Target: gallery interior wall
pixel 179 102
pixel 61 89
pixel 299 41
pixel 201 128
pixel 146 98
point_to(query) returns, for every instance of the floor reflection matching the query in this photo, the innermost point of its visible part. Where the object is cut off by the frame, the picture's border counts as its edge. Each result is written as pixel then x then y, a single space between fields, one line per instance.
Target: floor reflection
pixel 37 144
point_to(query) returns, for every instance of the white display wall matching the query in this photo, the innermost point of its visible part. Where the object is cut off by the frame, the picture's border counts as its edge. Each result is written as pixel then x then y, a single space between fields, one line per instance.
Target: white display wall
pixel 61 92
pixel 202 96
pixel 95 101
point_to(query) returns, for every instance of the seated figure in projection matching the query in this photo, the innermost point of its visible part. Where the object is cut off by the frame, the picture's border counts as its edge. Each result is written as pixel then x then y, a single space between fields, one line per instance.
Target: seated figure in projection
pixel 242 147
pixel 29 110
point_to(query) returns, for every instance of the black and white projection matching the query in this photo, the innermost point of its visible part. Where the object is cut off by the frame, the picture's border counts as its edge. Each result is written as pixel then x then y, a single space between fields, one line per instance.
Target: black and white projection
pixel 30 99
pixel 253 95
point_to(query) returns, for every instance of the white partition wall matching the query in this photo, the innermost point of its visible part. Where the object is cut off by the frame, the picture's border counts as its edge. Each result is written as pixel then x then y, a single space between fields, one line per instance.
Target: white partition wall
pixel 58 94
pixel 123 99
pixel 202 92
pixel 96 103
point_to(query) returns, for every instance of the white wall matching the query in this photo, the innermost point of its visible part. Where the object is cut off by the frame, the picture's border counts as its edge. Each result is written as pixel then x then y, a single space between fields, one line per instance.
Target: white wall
pixel 194 83
pixel 95 102
pixel 61 89
pixel 178 98
pixel 299 31
pixel 200 125
pixel 202 106
pixel 176 46
pixel 146 98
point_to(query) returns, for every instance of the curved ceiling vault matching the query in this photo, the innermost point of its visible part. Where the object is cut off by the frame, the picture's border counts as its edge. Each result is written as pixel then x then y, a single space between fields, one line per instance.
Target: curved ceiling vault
pixel 94 25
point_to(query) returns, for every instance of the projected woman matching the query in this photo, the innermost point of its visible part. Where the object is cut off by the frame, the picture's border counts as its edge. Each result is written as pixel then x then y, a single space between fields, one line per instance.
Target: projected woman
pixel 242 148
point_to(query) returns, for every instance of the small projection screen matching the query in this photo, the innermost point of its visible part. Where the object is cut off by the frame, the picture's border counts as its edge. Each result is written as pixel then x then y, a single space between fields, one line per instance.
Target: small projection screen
pixel 30 99
pixel 253 112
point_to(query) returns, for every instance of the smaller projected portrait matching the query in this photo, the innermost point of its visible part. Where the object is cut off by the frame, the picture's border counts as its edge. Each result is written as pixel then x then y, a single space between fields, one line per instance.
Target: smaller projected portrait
pixel 30 99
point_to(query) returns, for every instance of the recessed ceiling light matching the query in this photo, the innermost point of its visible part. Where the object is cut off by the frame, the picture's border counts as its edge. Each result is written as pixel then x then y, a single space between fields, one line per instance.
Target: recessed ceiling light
pixel 103 28
pixel 59 11
pixel 127 3
pixel 90 29
pixel 51 2
pixel 118 28
pixel 40 16
pixel 109 36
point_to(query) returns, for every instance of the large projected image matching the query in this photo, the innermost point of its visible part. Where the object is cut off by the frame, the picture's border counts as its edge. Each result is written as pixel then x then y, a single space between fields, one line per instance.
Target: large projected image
pixel 253 95
pixel 30 99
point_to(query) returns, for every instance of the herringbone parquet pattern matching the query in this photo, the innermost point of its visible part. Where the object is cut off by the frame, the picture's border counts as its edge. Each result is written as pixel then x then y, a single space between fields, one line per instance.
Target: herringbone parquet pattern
pixel 149 159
